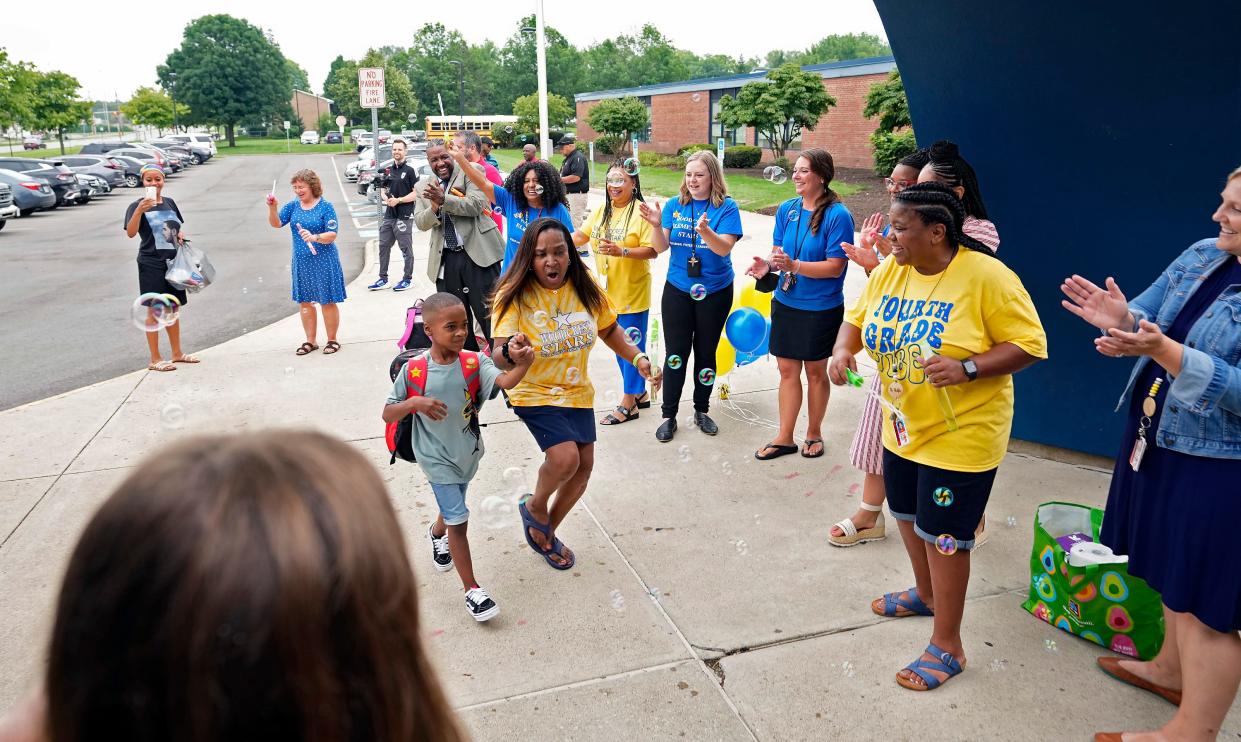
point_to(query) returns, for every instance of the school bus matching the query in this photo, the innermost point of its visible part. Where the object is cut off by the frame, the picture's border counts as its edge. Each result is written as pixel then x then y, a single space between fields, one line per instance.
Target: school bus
pixel 442 127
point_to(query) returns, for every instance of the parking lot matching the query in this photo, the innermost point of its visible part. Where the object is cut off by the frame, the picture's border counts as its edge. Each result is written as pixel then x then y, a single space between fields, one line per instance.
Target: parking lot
pixel 70 274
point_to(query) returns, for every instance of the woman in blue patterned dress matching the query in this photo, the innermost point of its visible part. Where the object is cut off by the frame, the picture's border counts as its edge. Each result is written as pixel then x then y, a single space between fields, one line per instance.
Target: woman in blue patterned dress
pixel 317 277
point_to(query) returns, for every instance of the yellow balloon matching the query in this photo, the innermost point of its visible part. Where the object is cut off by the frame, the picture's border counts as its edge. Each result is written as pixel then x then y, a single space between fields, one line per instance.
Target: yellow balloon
pixel 725 357
pixel 630 241
pixel 755 299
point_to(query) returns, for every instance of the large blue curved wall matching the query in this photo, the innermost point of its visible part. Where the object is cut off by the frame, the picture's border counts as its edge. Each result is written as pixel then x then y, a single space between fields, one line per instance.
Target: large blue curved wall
pixel 1101 133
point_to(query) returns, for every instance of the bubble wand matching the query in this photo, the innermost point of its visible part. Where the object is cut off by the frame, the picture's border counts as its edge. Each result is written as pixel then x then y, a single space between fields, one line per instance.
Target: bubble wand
pixel 945 404
pixel 656 356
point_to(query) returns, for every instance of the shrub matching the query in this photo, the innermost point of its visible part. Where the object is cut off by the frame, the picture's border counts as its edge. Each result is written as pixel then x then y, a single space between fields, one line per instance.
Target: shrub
pixel 783 163
pixel 742 156
pixel 656 159
pixel 609 144
pixel 890 147
pixel 691 148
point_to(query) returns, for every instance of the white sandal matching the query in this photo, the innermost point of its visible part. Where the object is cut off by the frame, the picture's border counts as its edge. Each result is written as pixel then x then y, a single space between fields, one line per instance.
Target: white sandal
pixel 853 536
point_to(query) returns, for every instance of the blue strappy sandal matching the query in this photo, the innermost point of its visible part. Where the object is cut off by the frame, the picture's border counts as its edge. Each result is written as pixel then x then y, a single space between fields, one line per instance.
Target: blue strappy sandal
pixel 556 549
pixel 920 667
pixel 893 601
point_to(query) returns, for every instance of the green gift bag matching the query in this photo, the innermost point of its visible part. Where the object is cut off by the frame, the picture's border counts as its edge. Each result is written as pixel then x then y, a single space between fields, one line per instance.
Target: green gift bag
pixel 1099 602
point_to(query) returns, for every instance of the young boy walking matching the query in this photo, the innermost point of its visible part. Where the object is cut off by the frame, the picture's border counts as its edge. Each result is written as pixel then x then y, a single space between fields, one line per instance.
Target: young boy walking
pixel 443 390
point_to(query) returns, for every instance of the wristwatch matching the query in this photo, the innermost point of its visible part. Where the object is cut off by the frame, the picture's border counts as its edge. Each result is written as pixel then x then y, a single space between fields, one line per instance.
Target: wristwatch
pixel 971 369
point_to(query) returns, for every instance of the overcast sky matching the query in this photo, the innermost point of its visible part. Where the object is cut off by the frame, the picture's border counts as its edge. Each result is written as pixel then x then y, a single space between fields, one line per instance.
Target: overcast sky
pixel 312 38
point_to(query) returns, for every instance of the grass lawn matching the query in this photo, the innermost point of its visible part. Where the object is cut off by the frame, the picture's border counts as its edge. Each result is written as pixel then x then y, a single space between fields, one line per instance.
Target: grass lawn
pixel 751 192
pixel 269 146
pixel 50 153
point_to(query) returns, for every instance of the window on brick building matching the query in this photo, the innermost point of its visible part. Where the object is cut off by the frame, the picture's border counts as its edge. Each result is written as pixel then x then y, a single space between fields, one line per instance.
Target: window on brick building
pixel 731 136
pixel 645 134
pixel 762 141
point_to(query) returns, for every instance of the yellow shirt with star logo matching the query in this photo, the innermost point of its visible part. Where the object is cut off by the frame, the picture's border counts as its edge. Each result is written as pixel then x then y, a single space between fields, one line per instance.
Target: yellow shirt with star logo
pixel 627 280
pixel 562 331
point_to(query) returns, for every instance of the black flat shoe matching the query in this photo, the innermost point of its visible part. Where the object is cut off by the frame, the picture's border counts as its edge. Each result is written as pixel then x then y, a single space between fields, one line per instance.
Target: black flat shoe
pixel 667 430
pixel 705 423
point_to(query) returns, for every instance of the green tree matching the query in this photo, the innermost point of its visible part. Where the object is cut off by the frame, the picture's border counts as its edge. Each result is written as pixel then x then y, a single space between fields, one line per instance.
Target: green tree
pixel 894 138
pixel 619 117
pixel 298 79
pixel 227 71
pixel 526 109
pixel 565 71
pixel 839 47
pixel 344 91
pixel 780 108
pixel 332 72
pixel 16 90
pixel 428 68
pixel 55 105
pixel 151 107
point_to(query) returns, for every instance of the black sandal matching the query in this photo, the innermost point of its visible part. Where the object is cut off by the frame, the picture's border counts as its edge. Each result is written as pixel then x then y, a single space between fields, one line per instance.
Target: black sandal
pixel 780 450
pixel 810 442
pixel 644 402
pixel 305 348
pixel 331 347
pixel 626 416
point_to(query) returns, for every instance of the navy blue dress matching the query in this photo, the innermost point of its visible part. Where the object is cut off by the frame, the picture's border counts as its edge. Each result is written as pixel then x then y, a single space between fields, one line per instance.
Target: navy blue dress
pixel 317 276
pixel 1176 517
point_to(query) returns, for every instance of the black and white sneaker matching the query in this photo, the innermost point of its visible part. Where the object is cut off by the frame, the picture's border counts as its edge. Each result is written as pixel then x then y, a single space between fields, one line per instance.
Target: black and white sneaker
pixel 480 605
pixel 439 551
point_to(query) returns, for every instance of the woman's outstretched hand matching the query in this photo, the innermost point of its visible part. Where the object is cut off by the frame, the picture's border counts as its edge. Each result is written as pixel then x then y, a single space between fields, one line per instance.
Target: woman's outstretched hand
pixel 1106 309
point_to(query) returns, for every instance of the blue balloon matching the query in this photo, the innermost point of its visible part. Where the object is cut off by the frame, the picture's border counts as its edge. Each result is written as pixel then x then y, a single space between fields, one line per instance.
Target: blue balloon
pixel 745 359
pixel 745 329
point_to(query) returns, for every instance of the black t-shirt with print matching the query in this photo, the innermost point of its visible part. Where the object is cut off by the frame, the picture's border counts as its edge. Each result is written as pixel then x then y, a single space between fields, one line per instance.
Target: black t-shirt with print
pixel 575 164
pixel 152 247
pixel 400 182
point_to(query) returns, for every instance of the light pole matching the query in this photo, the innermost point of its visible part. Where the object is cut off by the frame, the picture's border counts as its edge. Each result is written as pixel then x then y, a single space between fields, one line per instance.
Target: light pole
pixel 460 93
pixel 540 41
pixel 172 90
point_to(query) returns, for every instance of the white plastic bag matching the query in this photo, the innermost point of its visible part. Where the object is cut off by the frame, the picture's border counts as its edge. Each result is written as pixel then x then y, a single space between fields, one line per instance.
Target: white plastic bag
pixel 190 270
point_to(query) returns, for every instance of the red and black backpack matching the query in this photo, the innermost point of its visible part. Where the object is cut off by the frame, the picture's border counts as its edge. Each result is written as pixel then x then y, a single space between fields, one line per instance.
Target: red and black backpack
pixel 400 434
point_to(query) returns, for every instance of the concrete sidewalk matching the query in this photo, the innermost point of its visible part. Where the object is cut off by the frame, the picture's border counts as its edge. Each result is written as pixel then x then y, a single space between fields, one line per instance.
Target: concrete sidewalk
pixel 706 602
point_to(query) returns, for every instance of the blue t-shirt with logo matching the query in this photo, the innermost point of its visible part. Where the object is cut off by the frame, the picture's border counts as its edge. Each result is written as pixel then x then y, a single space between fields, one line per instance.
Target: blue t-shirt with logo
pixel 679 219
pixel 516 221
pixel 792 234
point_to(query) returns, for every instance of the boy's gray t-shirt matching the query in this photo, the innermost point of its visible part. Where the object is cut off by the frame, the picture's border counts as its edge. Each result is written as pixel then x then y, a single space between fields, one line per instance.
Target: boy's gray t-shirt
pixel 445 449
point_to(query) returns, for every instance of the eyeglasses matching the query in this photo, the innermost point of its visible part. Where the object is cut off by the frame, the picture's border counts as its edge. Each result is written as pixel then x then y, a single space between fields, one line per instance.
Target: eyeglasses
pixel 616 183
pixel 897 186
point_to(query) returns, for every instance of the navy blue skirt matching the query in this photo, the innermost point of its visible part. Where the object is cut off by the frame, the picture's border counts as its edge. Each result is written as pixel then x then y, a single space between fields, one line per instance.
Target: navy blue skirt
pixel 553 425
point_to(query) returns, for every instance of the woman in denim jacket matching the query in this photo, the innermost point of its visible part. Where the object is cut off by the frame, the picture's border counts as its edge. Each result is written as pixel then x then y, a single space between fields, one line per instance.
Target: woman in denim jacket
pixel 1175 499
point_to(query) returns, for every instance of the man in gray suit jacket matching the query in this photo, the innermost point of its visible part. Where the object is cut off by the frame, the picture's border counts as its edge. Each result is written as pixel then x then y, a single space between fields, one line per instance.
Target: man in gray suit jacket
pixel 466 245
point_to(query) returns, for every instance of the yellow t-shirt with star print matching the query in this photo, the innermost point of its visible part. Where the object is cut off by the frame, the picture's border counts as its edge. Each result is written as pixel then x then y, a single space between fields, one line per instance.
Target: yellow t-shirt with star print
pixel 627 280
pixel 562 331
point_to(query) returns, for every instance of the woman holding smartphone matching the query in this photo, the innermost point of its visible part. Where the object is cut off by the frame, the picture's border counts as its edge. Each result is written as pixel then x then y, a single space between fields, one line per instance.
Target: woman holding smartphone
pixel 699 229
pixel 150 219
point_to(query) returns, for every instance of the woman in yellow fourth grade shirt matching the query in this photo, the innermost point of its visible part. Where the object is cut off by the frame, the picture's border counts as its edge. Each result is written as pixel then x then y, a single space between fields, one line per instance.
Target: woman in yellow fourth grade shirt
pixel 623 252
pixel 947 324
pixel 548 294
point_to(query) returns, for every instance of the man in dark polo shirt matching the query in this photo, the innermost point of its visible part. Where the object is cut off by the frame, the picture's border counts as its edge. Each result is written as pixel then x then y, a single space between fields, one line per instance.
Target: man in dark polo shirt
pixel 576 176
pixel 398 182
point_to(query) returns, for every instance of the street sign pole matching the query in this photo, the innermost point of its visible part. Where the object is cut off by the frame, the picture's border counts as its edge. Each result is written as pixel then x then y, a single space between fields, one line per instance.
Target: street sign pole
pixel 719 150
pixel 340 125
pixel 372 95
pixel 288 145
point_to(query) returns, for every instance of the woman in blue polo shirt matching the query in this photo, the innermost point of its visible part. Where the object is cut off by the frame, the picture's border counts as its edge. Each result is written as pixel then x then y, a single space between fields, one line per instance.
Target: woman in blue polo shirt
pixel 808 305
pixel 700 229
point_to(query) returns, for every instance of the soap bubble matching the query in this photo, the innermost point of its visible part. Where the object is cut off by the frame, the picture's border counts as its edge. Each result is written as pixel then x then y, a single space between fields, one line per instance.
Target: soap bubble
pixel 288 371
pixel 617 600
pixel 691 422
pixel 611 397
pixel 633 336
pixel 508 130
pixel 696 97
pixel 392 105
pixel 573 376
pixel 412 118
pixel 1011 522
pixel 706 377
pixel 742 547
pixel 632 166
pixel 400 226
pixel 1049 646
pixel 684 454
pixel 538 188
pixel 514 478
pixel 674 362
pixel 999 665
pixel 946 544
pixel 557 395
pixel 539 318
pixel 847 669
pixel 245 290
pixel 331 225
pixel 942 496
pixel 775 174
pixel 496 512
pixel 152 311
pixel 654 593
pixel 172 416
pixel 698 291
pixel 727 468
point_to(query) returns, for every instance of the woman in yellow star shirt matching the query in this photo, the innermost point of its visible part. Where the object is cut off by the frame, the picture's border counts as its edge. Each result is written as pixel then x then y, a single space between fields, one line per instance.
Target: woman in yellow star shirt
pixel 623 252
pixel 947 324
pixel 548 294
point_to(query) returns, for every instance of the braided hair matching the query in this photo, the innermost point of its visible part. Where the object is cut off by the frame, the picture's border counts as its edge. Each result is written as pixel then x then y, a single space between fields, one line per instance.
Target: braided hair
pixel 822 165
pixel 937 203
pixel 916 159
pixel 951 168
pixel 607 197
pixel 549 178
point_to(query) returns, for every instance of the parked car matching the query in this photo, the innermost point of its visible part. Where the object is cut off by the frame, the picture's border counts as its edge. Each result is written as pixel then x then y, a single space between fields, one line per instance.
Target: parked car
pixel 351 170
pixel 207 140
pixel 146 157
pixel 333 137
pixel 110 169
pixel 196 152
pixel 179 157
pixel 356 134
pixel 130 168
pixel 364 141
pixel 86 190
pixel 100 148
pixel 366 176
pixel 33 141
pixel 96 185
pixel 310 137
pixel 62 180
pixel 29 194
pixel 8 210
